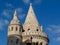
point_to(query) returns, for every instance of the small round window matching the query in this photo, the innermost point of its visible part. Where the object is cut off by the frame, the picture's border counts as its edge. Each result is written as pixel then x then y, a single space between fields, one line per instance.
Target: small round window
pixel 23 30
pixel 37 30
pixel 28 29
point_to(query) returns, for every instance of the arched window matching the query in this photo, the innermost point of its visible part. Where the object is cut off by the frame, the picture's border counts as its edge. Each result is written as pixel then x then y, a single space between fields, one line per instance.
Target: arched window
pixel 12 28
pixel 16 28
pixel 41 43
pixel 17 40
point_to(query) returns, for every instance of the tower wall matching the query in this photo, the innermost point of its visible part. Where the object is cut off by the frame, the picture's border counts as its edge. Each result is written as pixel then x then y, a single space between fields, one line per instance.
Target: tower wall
pixel 14 32
pixel 14 29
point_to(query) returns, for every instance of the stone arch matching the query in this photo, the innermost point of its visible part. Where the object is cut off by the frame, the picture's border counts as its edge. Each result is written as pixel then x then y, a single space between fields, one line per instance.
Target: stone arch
pixel 29 42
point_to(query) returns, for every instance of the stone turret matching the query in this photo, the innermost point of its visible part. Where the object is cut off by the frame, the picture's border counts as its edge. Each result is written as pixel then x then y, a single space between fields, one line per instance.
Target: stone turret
pixel 32 30
pixel 14 31
pixel 15 19
pixel 14 27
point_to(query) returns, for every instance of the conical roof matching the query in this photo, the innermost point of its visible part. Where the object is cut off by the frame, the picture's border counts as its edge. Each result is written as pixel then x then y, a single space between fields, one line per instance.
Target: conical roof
pixel 15 15
pixel 31 21
pixel 15 19
pixel 31 18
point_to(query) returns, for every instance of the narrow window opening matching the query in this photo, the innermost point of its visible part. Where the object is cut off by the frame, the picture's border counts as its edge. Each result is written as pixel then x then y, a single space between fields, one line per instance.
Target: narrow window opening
pixel 28 29
pixel 12 28
pixel 17 41
pixel 41 43
pixel 16 28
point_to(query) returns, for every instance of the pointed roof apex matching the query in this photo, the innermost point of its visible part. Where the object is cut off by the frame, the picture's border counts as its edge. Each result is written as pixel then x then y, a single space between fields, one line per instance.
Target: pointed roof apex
pixel 31 16
pixel 15 19
pixel 30 4
pixel 15 13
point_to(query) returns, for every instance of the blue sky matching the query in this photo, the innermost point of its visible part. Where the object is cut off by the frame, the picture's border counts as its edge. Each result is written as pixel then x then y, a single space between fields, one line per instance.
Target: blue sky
pixel 47 13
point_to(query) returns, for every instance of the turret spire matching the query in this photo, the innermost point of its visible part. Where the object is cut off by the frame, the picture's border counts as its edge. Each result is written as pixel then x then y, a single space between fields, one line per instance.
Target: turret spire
pixel 30 4
pixel 15 19
pixel 15 15
pixel 31 16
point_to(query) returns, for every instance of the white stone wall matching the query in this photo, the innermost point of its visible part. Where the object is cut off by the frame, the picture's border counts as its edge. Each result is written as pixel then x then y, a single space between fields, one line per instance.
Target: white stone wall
pixel 14 31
